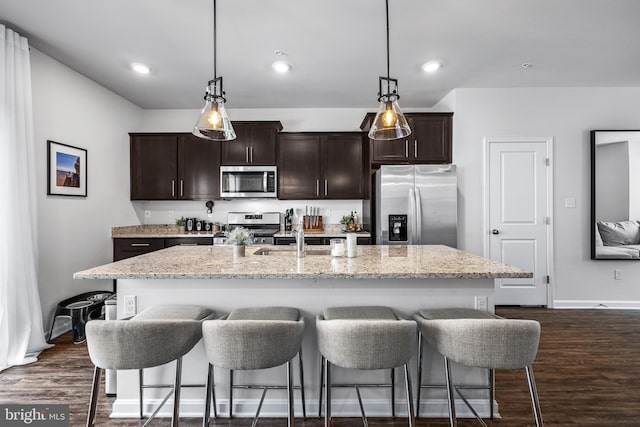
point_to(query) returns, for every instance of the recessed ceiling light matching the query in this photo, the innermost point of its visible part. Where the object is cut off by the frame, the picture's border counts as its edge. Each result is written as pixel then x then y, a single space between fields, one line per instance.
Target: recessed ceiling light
pixel 140 68
pixel 431 66
pixel 281 66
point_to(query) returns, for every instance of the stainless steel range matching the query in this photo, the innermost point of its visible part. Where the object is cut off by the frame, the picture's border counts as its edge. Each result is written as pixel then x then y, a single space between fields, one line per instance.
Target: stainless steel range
pixel 263 225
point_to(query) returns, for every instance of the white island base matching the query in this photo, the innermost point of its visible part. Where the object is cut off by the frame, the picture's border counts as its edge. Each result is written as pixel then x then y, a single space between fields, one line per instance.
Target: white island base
pixel 310 296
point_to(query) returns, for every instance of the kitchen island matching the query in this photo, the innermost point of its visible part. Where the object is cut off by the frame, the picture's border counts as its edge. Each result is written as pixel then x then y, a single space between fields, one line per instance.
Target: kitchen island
pixel 406 278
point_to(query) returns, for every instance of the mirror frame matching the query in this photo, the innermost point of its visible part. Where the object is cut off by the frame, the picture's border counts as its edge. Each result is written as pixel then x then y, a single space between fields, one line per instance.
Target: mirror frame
pixel 592 223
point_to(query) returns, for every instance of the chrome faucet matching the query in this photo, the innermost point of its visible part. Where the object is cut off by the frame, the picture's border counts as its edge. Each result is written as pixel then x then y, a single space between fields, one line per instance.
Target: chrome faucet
pixel 300 241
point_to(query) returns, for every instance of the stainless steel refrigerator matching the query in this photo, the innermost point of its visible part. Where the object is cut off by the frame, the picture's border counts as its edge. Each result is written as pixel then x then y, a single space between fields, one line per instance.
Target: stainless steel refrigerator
pixel 416 205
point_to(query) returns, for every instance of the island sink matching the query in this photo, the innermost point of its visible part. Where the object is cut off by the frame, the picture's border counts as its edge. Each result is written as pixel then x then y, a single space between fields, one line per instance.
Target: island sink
pixel 292 252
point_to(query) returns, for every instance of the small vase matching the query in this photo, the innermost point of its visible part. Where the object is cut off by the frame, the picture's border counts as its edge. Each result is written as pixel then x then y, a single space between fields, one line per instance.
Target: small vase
pixel 238 250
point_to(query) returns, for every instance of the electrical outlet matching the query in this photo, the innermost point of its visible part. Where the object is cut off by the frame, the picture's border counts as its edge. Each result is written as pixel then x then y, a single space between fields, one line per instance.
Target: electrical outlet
pixel 482 303
pixel 129 305
pixel 147 214
pixel 171 215
pixel 617 274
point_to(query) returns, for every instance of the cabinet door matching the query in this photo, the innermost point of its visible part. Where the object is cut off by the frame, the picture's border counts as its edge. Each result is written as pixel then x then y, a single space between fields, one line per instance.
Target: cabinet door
pixel 236 152
pixel 393 151
pixel 154 172
pixel 187 241
pixel 298 166
pixel 262 144
pixel 343 169
pixel 198 168
pixel 430 141
pixel 255 144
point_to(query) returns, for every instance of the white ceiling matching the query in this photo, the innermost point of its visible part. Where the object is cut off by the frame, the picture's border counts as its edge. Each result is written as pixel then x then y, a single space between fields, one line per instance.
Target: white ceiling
pixel 336 47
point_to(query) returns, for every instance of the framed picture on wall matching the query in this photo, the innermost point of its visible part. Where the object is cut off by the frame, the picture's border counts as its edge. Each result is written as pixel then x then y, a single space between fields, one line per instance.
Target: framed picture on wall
pixel 66 170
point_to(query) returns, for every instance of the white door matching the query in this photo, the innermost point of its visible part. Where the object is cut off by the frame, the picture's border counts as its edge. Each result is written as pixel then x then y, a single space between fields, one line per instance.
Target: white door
pixel 519 178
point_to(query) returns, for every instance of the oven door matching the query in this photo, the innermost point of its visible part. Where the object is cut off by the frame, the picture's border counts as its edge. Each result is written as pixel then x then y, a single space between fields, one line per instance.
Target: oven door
pixel 248 181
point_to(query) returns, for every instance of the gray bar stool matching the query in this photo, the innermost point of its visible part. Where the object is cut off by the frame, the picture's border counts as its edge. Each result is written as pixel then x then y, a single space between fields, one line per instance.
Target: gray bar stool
pixel 479 339
pixel 367 338
pixel 156 336
pixel 254 338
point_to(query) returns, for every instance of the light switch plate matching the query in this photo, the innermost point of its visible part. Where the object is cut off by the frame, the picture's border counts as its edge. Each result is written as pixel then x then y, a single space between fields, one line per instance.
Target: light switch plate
pixel 570 202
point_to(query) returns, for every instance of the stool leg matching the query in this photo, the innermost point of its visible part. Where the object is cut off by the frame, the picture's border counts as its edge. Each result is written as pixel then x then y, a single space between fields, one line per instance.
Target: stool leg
pixel 291 419
pixel 207 397
pixel 419 390
pixel 140 384
pixel 393 393
pixel 327 394
pixel 213 393
pixel 51 330
pixel 533 392
pixel 407 381
pixel 230 393
pixel 176 394
pixel 492 388
pixel 93 399
pixel 304 407
pixel 321 384
pixel 452 405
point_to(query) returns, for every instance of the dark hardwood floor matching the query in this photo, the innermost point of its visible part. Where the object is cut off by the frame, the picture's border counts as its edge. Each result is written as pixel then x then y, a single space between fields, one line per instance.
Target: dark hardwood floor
pixel 587 371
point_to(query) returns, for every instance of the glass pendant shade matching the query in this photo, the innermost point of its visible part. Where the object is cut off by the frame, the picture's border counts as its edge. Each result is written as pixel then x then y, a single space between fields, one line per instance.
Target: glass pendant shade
pixel 213 122
pixel 389 122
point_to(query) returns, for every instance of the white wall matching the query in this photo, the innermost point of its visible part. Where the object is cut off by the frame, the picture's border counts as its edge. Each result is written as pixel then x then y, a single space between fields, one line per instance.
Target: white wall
pixel 567 115
pixel 74 233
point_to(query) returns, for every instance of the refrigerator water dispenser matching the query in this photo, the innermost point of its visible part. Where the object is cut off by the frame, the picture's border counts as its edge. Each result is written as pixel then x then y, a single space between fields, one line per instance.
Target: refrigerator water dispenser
pixel 397 228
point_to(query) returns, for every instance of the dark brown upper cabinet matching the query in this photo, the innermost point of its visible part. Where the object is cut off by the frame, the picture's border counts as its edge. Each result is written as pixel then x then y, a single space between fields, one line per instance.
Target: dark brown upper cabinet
pixel 174 166
pixel 429 143
pixel 319 165
pixel 255 144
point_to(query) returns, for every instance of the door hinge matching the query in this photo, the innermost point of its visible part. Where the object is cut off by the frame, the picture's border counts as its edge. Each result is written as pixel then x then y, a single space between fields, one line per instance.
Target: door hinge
pixel 547 161
pixel 547 279
pixel 547 220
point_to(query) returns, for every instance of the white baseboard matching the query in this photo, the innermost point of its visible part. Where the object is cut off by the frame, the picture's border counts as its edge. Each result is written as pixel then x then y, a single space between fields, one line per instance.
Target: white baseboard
pixel 586 304
pixel 277 408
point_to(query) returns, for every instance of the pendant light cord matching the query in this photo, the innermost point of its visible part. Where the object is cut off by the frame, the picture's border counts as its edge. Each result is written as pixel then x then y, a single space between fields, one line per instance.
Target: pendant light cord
pixel 388 73
pixel 215 49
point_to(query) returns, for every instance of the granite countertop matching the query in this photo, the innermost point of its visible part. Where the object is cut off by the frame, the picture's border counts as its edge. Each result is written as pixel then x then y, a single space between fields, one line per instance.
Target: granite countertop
pixel 372 262
pixel 170 230
pixel 155 230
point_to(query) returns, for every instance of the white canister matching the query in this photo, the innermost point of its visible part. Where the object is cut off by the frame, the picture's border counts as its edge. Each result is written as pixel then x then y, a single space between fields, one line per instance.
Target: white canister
pixel 352 245
pixel 337 247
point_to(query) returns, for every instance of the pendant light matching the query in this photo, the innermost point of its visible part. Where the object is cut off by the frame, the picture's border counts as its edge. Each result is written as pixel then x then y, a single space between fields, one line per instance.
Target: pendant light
pixel 213 123
pixel 389 122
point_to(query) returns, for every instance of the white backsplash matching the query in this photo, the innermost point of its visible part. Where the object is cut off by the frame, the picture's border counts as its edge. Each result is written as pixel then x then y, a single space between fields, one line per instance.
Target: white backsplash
pixel 166 212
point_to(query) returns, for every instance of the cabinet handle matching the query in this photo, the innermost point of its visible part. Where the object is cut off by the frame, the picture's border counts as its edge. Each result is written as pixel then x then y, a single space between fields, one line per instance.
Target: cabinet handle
pixel 181 188
pixel 326 186
pixel 246 154
pixel 251 154
pixel 173 188
pixel 415 148
pixel 406 148
pixel 139 244
pixel 317 187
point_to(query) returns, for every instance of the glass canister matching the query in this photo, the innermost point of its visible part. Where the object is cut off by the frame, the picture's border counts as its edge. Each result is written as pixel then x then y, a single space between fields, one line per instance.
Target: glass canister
pixel 352 245
pixel 337 247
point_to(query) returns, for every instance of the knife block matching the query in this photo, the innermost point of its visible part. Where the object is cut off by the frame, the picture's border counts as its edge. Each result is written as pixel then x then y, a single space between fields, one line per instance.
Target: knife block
pixel 311 228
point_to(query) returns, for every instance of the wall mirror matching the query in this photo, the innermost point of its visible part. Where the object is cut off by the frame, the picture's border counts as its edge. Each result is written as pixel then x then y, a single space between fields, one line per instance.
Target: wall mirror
pixel 615 194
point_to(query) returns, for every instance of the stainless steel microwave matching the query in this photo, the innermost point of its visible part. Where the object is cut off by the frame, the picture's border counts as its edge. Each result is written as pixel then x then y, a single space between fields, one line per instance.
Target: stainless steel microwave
pixel 248 182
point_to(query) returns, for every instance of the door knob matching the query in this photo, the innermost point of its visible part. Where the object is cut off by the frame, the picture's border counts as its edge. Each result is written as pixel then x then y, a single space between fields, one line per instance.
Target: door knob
pixel 494 231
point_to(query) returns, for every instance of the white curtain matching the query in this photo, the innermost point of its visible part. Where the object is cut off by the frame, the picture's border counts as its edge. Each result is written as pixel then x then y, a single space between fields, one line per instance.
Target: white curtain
pixel 21 329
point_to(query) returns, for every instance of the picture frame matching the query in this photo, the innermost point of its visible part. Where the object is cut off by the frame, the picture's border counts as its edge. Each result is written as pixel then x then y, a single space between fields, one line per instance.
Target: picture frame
pixel 66 170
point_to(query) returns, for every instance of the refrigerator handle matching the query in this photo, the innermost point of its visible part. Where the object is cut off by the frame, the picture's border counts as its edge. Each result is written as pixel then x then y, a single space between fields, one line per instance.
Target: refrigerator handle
pixel 411 223
pixel 418 202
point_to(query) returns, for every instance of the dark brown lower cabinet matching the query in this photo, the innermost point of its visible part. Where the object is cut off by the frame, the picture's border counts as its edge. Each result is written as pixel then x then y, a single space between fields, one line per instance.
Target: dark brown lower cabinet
pixel 124 248
pixel 317 240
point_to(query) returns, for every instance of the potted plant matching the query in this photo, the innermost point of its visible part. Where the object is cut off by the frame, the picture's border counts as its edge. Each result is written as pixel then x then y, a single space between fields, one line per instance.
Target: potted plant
pixel 239 237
